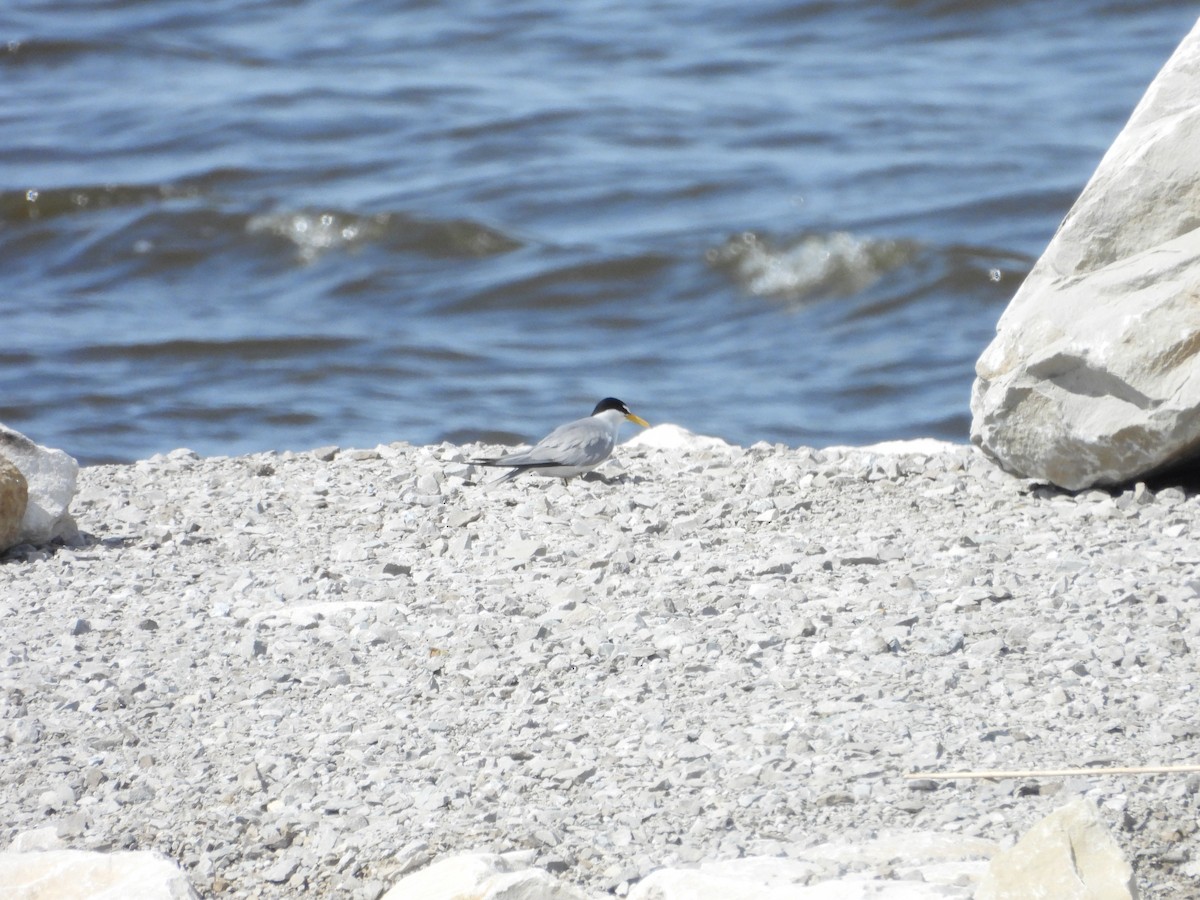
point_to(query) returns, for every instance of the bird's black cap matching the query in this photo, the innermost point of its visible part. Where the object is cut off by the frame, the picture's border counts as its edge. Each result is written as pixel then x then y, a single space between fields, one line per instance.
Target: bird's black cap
pixel 610 403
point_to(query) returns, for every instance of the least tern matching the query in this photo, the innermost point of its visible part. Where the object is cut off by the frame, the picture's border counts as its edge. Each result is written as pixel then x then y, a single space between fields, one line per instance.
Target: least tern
pixel 570 449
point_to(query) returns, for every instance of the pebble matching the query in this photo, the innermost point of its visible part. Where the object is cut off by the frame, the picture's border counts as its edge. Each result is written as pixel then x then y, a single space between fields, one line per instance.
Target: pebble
pixel 316 672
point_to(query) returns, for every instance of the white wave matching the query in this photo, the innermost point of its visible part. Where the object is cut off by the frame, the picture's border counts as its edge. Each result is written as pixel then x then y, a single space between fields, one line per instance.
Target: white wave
pixel 314 233
pixel 835 264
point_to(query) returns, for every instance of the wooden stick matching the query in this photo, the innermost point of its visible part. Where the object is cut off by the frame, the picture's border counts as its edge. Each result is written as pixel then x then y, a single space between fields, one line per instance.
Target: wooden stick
pixel 1053 773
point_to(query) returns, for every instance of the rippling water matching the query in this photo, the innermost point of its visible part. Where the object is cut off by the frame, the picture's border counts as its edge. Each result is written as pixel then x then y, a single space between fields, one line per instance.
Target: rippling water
pixel 237 225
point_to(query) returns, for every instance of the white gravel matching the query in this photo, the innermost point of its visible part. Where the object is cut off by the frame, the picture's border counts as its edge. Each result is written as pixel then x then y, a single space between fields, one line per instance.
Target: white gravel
pixel 316 671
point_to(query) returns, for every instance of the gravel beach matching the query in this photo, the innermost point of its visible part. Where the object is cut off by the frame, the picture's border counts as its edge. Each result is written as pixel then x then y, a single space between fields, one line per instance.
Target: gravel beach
pixel 312 672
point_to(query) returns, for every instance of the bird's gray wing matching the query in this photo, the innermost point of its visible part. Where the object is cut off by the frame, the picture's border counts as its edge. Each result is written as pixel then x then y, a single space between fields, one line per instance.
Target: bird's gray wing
pixel 583 443
pixel 580 443
pixel 508 459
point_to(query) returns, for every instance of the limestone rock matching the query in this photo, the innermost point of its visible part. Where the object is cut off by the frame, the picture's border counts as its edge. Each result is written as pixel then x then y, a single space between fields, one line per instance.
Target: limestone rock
pixel 482 876
pixel 50 475
pixel 913 866
pixel 1094 374
pixel 44 838
pixel 14 497
pixel 673 437
pixel 1069 855
pixel 79 875
pixel 752 878
pixel 759 878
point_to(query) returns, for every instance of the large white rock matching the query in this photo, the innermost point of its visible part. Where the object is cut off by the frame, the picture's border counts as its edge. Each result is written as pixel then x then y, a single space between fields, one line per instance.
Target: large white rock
pixel 44 838
pixel 482 876
pixel 1094 374
pixel 50 475
pixel 913 866
pixel 771 878
pixel 1069 855
pixel 81 875
pixel 674 437
pixel 14 498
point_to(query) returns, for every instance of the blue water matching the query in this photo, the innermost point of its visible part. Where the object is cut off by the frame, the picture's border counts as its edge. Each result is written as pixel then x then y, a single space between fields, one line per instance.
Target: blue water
pixel 239 225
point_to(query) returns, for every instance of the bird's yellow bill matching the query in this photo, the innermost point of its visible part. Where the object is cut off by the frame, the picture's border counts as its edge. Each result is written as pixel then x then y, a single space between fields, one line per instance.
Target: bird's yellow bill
pixel 638 419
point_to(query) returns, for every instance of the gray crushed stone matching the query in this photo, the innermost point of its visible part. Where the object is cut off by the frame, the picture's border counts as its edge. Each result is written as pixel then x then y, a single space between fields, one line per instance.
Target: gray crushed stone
pixel 318 671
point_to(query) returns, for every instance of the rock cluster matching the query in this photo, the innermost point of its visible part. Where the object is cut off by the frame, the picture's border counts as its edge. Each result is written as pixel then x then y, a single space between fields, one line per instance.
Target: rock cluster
pixel 324 672
pixel 1094 374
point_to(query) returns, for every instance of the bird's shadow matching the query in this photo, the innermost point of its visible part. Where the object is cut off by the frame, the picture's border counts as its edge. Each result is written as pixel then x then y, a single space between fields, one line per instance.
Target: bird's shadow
pixel 623 478
pixel 83 540
pixel 588 477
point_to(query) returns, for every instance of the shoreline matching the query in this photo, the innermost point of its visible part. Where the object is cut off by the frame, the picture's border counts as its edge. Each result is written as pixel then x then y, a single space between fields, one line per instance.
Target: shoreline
pixel 283 665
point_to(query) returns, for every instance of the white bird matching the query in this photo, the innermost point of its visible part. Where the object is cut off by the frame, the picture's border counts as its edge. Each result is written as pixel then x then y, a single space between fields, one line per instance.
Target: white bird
pixel 570 449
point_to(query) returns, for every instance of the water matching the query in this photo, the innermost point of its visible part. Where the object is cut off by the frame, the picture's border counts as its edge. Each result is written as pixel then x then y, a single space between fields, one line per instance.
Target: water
pixel 239 225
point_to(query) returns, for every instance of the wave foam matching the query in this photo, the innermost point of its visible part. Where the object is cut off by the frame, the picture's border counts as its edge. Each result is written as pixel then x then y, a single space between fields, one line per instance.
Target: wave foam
pixel 315 232
pixel 835 264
